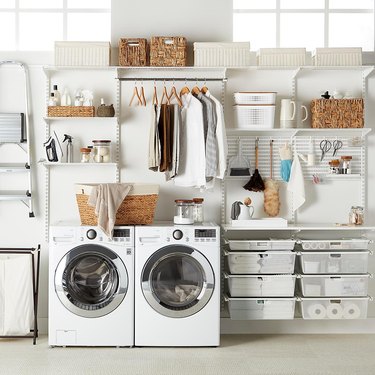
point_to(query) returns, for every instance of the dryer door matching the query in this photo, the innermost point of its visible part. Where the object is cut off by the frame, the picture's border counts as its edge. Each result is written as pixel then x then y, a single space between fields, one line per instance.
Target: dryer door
pixel 177 281
pixel 91 281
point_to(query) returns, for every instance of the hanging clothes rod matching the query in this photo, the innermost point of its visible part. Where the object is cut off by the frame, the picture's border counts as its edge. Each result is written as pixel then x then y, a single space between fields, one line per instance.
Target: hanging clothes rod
pixel 173 79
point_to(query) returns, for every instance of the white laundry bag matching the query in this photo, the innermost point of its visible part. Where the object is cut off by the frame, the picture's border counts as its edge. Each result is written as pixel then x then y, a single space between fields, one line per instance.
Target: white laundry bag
pixel 16 295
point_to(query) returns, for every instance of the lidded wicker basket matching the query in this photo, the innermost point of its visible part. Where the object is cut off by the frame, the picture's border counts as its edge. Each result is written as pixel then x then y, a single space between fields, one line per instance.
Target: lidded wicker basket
pixel 168 51
pixel 132 52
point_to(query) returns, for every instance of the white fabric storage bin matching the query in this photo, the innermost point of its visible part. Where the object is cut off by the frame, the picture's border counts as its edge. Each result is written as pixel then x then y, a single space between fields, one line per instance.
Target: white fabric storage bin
pixel 254 116
pixel 254 98
pixel 261 286
pixel 334 285
pixel 337 56
pixel 261 245
pixel 16 294
pixel 222 54
pixel 334 262
pixel 261 309
pixel 281 56
pixel 328 308
pixel 267 262
pixel 82 53
pixel 345 244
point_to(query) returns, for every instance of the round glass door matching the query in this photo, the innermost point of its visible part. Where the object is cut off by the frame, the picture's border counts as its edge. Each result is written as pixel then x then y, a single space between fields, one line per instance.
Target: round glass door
pixel 177 281
pixel 91 281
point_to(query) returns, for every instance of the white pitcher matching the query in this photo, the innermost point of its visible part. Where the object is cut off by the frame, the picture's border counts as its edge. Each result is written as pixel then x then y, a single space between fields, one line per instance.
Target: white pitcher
pixel 287 113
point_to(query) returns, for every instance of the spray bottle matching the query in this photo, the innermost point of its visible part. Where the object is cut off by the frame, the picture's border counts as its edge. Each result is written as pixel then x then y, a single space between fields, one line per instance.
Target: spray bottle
pixel 69 148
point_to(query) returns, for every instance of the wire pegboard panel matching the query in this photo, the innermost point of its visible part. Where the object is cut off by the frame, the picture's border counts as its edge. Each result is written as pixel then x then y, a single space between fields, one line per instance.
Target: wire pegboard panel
pixel 302 146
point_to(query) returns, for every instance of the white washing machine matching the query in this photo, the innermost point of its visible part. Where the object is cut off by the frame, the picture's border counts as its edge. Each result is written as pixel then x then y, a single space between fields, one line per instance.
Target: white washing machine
pixel 177 285
pixel 91 287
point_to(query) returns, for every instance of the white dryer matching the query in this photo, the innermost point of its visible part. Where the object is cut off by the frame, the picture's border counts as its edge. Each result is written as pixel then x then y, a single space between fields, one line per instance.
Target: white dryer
pixel 91 287
pixel 177 285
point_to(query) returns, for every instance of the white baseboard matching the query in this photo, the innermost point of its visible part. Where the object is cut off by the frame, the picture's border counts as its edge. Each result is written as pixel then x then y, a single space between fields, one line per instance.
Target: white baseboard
pixel 297 326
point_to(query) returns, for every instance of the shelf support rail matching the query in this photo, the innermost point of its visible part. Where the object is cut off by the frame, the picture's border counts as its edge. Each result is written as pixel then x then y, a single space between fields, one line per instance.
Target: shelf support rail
pixel 173 79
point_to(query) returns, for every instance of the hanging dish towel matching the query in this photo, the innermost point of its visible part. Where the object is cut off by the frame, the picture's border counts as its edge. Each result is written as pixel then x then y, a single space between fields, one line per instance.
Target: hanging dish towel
pixel 296 183
pixel 107 198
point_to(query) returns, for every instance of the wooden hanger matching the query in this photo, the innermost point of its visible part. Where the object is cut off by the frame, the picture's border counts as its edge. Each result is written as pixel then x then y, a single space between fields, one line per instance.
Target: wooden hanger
pixel 173 93
pixel 184 90
pixel 155 100
pixel 165 95
pixel 142 96
pixel 204 89
pixel 195 90
pixel 136 95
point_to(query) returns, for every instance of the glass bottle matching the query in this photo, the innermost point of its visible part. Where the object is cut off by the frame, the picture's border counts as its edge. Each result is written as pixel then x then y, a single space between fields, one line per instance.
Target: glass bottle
pixel 356 215
pixel 184 211
pixel 198 210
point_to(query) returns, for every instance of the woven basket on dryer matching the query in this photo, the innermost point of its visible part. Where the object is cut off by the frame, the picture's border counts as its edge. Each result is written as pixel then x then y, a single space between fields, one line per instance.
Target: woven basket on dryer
pixel 137 208
pixel 132 52
pixel 168 51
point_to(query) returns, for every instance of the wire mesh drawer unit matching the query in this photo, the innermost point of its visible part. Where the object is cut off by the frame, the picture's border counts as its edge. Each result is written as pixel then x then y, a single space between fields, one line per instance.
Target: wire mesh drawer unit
pixel 345 244
pixel 334 285
pixel 257 245
pixel 254 116
pixel 334 262
pixel 132 52
pixel 254 98
pixel 328 308
pixel 281 56
pixel 222 54
pixel 267 262
pixel 260 309
pixel 261 286
pixel 82 53
pixel 337 56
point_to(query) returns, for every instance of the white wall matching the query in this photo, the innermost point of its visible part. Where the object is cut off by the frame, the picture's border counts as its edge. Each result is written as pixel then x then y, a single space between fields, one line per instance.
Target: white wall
pixel 199 21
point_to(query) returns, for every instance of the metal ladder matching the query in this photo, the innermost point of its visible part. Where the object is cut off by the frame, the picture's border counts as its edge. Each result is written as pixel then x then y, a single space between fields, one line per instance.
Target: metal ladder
pixel 10 123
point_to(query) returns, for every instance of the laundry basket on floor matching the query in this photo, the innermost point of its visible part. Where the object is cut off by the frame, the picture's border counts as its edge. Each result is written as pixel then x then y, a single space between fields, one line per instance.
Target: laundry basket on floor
pixel 137 208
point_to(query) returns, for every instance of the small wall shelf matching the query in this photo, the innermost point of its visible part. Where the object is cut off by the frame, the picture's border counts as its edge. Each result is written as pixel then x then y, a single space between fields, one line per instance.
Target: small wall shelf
pixel 88 165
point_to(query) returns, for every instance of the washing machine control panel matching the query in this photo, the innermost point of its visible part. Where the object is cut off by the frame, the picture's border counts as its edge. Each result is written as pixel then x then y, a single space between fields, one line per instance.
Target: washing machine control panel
pixel 91 234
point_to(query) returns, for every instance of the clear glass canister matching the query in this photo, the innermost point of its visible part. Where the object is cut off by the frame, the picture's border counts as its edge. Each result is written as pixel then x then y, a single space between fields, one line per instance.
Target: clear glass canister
pixel 102 151
pixel 198 210
pixel 183 211
pixel 345 164
pixel 85 154
pixel 356 215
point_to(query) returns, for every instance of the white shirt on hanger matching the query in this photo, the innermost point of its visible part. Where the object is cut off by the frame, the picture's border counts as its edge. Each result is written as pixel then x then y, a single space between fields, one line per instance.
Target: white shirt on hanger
pixel 192 164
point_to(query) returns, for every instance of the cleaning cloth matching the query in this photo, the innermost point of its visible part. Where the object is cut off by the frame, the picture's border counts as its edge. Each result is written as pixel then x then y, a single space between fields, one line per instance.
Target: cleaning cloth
pixel 296 183
pixel 107 198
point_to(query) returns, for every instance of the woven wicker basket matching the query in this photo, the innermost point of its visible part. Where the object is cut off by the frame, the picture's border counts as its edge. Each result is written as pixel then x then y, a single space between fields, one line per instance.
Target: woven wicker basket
pixel 168 51
pixel 337 113
pixel 138 208
pixel 132 52
pixel 70 111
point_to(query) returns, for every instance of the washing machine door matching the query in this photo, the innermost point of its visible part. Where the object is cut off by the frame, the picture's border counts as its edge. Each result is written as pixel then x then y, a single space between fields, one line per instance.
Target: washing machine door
pixel 177 281
pixel 91 281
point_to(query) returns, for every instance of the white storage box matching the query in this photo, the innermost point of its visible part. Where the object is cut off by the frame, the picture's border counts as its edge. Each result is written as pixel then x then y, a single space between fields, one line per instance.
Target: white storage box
pixel 261 286
pixel 254 98
pixel 254 116
pixel 82 53
pixel 222 54
pixel 328 308
pixel 334 262
pixel 255 308
pixel 337 56
pixel 334 285
pixel 267 262
pixel 261 245
pixel 345 244
pixel 281 56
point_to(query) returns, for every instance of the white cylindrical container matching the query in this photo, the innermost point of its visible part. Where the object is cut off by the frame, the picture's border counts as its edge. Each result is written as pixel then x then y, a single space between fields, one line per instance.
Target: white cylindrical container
pixel 102 151
pixel 184 211
pixel 198 210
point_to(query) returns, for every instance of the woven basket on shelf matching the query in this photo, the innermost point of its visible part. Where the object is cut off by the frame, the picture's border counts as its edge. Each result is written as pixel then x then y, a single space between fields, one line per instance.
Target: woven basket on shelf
pixel 70 111
pixel 337 113
pixel 132 52
pixel 168 51
pixel 138 207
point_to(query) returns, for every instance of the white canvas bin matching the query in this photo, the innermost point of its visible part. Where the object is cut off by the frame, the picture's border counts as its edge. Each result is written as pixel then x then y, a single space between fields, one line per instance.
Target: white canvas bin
pixel 266 262
pixel 281 57
pixel 82 53
pixel 261 286
pixel 261 309
pixel 222 54
pixel 338 56
pixel 328 308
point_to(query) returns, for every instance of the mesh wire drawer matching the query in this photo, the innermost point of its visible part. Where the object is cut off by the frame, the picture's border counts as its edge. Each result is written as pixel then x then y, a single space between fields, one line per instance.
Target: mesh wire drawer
pixel 260 309
pixel 257 245
pixel 268 262
pixel 334 262
pixel 334 285
pixel 328 308
pixel 344 244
